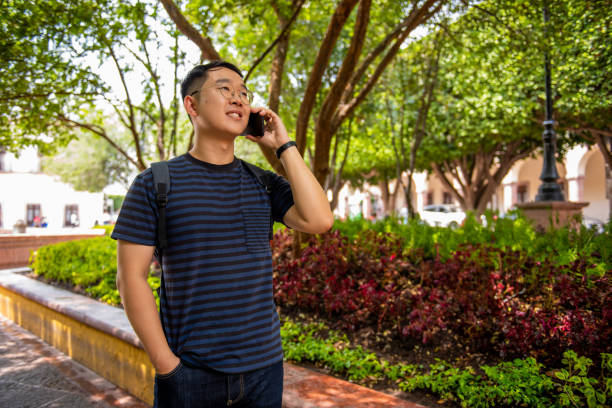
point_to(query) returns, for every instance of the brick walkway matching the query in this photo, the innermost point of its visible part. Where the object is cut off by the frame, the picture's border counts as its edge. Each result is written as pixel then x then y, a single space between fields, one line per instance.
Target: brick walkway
pixel 34 374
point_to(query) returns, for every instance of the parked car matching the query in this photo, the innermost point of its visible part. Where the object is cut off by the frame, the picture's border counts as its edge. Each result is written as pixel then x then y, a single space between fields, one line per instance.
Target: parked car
pixel 594 224
pixel 443 215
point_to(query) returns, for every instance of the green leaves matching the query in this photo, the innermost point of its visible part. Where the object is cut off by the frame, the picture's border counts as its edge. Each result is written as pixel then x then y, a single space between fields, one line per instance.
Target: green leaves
pixel 91 66
pixel 88 264
pixel 88 164
pixel 576 387
pixel 41 43
pixel 521 382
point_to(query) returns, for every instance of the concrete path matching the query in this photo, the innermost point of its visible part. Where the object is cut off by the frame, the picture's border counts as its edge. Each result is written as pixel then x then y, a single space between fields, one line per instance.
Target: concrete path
pixel 34 374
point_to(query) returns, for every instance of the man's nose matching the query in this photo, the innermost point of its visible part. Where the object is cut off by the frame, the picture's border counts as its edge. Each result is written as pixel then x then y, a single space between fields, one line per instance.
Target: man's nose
pixel 235 98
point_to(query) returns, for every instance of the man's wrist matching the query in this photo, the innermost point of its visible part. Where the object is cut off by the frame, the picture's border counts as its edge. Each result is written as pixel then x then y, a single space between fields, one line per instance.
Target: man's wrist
pixel 284 147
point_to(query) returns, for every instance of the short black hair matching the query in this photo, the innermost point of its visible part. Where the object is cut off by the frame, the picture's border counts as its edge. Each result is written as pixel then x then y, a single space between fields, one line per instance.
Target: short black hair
pixel 198 75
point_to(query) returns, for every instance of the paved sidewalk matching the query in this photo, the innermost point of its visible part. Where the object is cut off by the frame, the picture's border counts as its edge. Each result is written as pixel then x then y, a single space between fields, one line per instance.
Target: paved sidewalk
pixel 34 374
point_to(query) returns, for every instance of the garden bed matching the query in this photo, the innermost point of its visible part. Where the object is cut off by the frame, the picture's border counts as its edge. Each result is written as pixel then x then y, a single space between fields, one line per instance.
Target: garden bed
pixel 474 316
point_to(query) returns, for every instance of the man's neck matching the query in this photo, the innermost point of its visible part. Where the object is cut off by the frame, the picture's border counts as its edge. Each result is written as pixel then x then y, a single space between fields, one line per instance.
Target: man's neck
pixel 213 150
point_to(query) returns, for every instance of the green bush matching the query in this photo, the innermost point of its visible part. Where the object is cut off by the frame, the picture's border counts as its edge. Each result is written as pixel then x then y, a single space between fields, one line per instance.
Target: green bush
pixel 90 264
pixel 522 382
pixel 563 246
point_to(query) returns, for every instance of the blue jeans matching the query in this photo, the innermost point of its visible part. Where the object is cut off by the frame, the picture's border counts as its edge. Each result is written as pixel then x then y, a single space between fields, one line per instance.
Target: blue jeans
pixel 188 387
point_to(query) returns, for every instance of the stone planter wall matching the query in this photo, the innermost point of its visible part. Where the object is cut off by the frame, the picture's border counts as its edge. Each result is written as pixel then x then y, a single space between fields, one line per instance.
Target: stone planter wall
pixel 15 248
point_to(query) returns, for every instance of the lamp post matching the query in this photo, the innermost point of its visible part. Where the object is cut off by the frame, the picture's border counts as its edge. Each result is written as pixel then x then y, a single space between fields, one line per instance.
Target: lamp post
pixel 549 189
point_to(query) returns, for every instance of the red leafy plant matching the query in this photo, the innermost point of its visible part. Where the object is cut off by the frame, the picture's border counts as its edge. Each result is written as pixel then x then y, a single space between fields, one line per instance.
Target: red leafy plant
pixel 498 300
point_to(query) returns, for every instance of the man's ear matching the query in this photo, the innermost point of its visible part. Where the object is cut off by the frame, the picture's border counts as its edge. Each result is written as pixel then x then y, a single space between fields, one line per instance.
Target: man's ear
pixel 190 105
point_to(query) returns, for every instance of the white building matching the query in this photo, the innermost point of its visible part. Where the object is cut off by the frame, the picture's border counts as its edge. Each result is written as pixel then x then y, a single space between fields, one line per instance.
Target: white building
pixel 27 194
pixel 582 178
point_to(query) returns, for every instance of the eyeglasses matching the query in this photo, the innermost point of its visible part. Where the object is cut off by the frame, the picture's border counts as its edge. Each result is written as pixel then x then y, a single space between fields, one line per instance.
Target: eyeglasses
pixel 244 95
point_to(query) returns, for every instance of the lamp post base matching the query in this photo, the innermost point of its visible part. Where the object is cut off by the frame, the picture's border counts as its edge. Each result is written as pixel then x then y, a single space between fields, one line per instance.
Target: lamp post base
pixel 555 214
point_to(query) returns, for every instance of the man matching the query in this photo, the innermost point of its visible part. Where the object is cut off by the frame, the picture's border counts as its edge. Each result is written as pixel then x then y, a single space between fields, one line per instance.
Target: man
pixel 218 340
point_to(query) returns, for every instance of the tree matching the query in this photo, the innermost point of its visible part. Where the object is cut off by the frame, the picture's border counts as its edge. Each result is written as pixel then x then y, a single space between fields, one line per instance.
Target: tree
pixel 488 109
pixel 88 164
pixel 412 92
pixel 580 35
pixel 40 43
pixel 52 88
pixel 341 49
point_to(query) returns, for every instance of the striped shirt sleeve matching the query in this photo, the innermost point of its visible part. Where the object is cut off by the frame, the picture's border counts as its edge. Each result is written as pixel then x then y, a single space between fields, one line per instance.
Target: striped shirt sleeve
pixel 137 220
pixel 282 198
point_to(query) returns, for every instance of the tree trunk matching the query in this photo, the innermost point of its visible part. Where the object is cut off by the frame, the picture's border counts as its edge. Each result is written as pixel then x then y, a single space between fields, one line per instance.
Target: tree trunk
pixel 389 198
pixel 341 14
pixel 383 184
pixel 478 176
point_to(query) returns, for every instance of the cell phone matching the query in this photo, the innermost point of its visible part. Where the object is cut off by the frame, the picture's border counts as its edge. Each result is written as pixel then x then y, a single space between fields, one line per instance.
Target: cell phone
pixel 255 126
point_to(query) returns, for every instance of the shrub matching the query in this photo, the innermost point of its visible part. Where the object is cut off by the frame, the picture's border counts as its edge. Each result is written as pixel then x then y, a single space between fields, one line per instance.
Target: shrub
pixel 356 281
pixel 515 233
pixel 521 382
pixel 90 264
pixel 499 300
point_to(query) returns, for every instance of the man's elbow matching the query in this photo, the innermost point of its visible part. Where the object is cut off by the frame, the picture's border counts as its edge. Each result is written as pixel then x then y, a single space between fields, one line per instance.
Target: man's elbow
pixel 323 224
pixel 329 222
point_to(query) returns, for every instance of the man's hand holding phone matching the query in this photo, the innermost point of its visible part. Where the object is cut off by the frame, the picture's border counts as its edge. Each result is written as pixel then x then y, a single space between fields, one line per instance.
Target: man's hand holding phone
pixel 267 123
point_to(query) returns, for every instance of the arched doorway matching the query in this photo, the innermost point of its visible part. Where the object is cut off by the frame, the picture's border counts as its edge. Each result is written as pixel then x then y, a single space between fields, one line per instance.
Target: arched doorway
pixel 594 186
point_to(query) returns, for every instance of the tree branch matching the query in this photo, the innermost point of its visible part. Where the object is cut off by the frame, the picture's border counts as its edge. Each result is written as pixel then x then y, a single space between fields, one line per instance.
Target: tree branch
pixel 344 75
pixel 440 174
pixel 100 132
pixel 204 43
pixel 413 20
pixel 346 109
pixel 46 95
pixel 118 112
pixel 132 126
pixel 334 28
pixel 282 33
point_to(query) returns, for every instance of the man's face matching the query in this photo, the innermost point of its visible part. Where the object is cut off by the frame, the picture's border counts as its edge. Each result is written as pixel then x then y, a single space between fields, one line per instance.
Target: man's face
pixel 217 114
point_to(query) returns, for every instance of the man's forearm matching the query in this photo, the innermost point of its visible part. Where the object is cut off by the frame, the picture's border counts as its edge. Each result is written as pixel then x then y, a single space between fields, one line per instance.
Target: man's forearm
pixel 310 200
pixel 139 305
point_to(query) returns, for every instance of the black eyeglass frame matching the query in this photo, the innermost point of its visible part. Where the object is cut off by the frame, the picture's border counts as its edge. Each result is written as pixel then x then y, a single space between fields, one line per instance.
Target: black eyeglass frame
pixel 250 95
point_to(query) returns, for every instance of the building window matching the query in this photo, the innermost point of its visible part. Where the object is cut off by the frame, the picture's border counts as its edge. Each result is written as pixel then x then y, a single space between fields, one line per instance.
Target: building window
pixel 71 216
pixel 429 198
pixel 33 215
pixel 522 193
pixel 447 198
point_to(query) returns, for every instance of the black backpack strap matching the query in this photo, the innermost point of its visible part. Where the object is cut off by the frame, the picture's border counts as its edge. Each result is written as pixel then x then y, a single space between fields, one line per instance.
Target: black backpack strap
pixel 263 177
pixel 266 179
pixel 161 183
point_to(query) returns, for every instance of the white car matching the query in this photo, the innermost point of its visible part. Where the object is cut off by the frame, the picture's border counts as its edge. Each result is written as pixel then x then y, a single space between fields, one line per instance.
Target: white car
pixel 442 215
pixel 594 224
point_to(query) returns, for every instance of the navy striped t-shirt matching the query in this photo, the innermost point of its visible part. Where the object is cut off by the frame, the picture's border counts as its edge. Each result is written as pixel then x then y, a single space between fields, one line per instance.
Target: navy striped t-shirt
pixel 217 305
